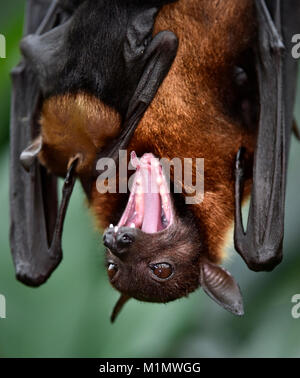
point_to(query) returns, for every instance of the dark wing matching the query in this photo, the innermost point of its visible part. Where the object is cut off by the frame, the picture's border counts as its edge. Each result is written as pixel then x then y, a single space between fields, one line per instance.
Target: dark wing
pixel 36 223
pixel 158 59
pixel 261 244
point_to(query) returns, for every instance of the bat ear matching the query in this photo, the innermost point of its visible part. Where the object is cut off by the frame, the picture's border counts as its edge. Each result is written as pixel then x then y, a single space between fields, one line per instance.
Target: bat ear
pixel 30 153
pixel 221 287
pixel 118 307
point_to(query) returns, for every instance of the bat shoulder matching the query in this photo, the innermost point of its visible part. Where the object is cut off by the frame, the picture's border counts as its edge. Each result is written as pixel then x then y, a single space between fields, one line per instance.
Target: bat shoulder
pixel 72 124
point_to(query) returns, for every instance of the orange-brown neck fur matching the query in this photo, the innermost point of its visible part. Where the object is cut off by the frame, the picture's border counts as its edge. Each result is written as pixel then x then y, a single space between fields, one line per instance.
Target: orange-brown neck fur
pixel 189 116
pixel 75 124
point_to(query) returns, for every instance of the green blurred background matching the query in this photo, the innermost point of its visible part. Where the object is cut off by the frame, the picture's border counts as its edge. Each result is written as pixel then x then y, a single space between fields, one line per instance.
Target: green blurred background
pixel 69 315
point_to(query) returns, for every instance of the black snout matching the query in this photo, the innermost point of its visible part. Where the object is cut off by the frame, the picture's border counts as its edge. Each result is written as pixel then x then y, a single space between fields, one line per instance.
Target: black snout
pixel 118 241
pixel 108 239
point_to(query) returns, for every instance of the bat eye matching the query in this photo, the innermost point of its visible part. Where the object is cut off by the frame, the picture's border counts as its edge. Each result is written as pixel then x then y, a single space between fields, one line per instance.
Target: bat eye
pixel 162 270
pixel 112 270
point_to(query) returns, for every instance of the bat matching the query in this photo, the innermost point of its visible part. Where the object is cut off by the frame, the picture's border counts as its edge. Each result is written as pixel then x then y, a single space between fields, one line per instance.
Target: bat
pixel 164 79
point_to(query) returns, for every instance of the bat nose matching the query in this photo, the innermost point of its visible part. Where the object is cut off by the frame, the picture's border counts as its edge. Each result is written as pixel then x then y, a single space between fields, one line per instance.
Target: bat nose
pixel 109 240
pixel 118 241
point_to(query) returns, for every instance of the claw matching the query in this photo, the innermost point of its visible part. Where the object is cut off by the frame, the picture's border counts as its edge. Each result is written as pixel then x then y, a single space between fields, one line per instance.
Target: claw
pixel 29 155
pixel 296 130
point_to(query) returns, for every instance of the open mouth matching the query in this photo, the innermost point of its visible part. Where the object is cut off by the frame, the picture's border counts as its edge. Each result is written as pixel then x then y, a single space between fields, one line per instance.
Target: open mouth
pixel 149 206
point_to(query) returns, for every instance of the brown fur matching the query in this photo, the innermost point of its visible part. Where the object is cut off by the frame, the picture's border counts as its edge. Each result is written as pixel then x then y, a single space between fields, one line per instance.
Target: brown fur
pixel 189 117
pixel 75 124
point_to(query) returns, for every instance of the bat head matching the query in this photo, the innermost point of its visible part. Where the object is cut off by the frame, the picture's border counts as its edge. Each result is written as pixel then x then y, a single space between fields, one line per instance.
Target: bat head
pixel 154 253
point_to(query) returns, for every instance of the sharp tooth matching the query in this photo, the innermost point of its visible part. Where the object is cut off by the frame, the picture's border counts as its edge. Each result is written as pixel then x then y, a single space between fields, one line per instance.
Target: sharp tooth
pixel 111 226
pixel 135 162
pixel 165 202
pixel 132 225
pixel 159 180
pixel 138 202
pixel 116 229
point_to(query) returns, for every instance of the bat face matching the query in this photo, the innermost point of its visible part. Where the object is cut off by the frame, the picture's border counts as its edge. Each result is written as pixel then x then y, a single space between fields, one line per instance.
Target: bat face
pixel 164 266
pixel 148 267
pixel 153 252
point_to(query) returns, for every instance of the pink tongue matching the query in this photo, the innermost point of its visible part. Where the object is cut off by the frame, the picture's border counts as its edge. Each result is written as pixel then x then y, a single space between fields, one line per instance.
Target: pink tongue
pixel 144 207
pixel 152 202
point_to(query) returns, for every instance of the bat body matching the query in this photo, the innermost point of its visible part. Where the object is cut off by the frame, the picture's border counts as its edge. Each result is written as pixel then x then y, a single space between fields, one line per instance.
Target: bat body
pixel 203 79
pixel 171 79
